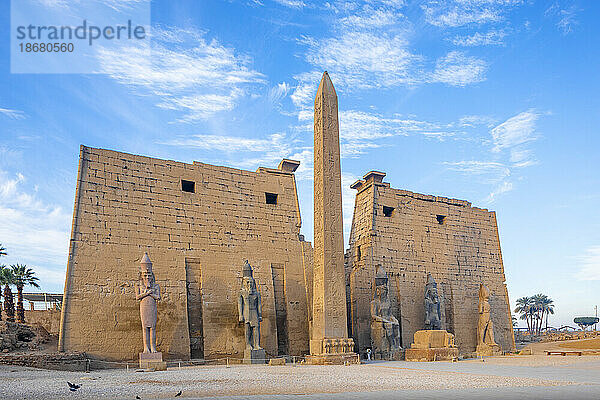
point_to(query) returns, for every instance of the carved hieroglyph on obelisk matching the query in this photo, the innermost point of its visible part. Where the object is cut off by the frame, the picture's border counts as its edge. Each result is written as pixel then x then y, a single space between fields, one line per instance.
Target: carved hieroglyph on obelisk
pixel 329 331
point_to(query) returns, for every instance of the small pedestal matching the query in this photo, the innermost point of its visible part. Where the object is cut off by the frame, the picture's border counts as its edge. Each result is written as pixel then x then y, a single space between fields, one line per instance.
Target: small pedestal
pixel 332 352
pixel 432 345
pixel 485 350
pixel 254 356
pixel 432 354
pixel 152 361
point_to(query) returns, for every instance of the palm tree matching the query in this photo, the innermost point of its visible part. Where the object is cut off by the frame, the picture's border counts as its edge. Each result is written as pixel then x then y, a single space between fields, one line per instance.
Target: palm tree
pixel 524 307
pixel 7 278
pixel 23 277
pixel 538 304
pixel 547 305
pixel 2 251
pixel 2 268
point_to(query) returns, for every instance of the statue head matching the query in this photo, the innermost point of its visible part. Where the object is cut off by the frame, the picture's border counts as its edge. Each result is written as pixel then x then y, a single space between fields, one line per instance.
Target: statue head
pixel 381 284
pixel 431 291
pixel 146 276
pixel 248 283
pixel 381 292
pixel 484 292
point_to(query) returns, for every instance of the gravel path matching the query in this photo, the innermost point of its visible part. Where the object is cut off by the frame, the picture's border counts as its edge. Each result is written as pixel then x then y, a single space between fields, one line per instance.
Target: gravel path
pixel 198 382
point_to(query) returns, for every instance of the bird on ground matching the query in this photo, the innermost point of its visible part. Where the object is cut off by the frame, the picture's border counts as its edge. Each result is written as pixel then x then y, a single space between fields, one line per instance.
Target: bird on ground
pixel 178 394
pixel 73 387
pixel 138 398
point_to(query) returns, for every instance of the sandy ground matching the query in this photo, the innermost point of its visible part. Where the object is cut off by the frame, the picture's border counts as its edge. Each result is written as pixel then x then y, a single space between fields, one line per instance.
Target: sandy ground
pixel 573 345
pixel 498 377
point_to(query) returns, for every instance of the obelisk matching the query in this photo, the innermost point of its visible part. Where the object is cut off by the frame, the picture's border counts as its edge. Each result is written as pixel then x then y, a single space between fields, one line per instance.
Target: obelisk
pixel 329 343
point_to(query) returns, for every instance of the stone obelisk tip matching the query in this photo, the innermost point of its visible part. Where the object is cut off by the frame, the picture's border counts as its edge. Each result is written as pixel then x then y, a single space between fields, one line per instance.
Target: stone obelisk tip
pixel 326 87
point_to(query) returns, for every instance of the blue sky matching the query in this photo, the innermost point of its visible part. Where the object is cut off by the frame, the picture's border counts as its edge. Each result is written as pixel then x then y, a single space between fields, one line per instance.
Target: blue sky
pixel 492 101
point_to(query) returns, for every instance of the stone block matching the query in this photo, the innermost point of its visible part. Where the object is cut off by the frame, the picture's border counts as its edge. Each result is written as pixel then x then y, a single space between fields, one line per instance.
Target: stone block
pixel 277 361
pixel 332 359
pixel 431 354
pixel 254 356
pixel 484 350
pixel 152 361
pixel 427 339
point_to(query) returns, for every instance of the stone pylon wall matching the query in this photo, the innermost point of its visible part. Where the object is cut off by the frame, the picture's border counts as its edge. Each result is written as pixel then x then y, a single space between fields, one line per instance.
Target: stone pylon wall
pixel 127 205
pixel 461 251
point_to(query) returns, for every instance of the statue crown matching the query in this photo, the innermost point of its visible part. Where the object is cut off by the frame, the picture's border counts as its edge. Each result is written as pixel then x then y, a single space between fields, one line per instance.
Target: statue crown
pixel 247 270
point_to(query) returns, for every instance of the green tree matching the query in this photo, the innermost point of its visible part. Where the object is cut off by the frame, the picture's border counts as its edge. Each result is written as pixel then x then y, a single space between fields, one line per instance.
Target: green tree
pixel 547 305
pixel 2 268
pixel 524 308
pixel 23 277
pixel 7 279
pixel 542 307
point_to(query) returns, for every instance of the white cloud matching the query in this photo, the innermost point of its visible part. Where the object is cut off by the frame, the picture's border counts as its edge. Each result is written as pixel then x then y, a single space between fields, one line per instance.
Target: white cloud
pixel 292 3
pixel 567 17
pixel 13 114
pixel 458 69
pixel 32 231
pixel 361 125
pixel 493 172
pixel 589 265
pixel 514 131
pixel 504 187
pixel 54 3
pixel 185 72
pixel 480 39
pixel 567 20
pixel 231 144
pixel 253 152
pixel 364 60
pixel 477 120
pixel 510 151
pixel 371 18
pixel 456 13
pixel 278 92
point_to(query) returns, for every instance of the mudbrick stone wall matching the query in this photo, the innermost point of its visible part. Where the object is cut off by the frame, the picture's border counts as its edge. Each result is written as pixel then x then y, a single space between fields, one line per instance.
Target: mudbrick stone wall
pixel 411 235
pixel 48 319
pixel 198 223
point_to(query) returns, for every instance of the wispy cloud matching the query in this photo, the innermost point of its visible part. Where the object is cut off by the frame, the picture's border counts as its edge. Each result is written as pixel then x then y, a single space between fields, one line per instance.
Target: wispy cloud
pixel 480 39
pixel 456 13
pixel 494 171
pixel 504 187
pixel 589 265
pixel 364 60
pixel 185 72
pixel 278 92
pixel 231 144
pixel 509 152
pixel 477 120
pixel 566 18
pixel 370 48
pixel 13 114
pixel 250 153
pixel 33 231
pixel 514 131
pixel 458 69
pixel 292 3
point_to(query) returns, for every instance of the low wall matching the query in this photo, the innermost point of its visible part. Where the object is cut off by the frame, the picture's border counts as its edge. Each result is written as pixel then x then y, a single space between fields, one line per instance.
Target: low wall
pixel 56 361
pixel 49 319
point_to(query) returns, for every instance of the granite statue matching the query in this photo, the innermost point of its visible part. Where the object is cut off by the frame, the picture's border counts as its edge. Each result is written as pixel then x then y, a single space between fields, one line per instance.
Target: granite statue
pixel 433 305
pixel 385 328
pixel 148 293
pixel 249 308
pixel 486 345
